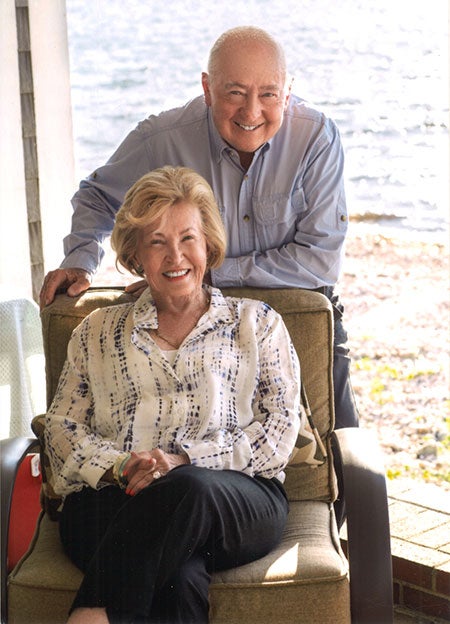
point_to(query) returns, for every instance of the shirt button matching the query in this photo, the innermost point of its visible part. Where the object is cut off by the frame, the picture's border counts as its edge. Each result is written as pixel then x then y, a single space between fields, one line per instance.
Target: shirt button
pixel 246 218
pixel 343 218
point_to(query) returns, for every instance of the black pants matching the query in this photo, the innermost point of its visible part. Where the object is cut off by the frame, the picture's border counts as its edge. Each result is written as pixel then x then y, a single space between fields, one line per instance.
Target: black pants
pixel 346 412
pixel 148 558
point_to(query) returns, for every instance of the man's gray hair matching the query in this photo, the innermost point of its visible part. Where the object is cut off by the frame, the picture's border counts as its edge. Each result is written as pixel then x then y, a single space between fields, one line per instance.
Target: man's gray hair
pixel 244 34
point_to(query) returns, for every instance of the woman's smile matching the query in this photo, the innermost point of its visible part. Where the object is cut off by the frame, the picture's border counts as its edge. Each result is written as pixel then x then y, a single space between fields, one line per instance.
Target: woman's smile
pixel 176 274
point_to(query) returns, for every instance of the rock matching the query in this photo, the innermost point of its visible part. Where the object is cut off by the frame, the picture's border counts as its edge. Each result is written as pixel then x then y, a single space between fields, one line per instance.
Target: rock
pixel 429 451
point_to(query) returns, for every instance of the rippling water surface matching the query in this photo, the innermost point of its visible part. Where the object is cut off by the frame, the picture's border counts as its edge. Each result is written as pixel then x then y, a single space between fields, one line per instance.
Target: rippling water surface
pixel 378 68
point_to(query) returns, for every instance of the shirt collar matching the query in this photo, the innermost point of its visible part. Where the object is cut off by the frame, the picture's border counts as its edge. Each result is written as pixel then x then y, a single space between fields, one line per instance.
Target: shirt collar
pixel 218 145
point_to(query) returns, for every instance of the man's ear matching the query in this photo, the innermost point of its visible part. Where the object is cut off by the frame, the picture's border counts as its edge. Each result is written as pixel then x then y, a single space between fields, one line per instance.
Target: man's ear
pixel 206 89
pixel 288 94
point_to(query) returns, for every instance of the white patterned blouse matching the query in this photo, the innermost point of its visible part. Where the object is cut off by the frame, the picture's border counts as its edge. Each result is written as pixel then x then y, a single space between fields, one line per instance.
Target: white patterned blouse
pixel 230 399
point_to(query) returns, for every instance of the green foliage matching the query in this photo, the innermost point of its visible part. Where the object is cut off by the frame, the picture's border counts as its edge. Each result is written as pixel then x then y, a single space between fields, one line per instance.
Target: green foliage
pixel 429 474
pixel 383 374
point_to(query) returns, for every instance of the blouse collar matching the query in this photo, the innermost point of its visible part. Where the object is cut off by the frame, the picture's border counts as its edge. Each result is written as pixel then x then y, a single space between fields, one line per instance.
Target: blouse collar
pixel 145 314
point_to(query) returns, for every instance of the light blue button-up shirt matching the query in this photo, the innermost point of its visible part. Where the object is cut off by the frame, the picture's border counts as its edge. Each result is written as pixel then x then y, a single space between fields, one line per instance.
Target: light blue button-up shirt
pixel 285 217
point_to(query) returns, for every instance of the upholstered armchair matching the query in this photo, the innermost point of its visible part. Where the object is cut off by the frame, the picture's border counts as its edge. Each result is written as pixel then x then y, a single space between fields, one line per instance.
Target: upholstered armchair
pixel 307 578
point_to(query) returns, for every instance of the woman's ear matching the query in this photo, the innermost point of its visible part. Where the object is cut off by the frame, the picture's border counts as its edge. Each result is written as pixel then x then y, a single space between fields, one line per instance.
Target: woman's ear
pixel 137 266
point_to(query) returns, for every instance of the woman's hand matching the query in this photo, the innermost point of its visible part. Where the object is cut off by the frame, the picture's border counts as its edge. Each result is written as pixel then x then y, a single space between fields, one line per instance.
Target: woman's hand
pixel 145 467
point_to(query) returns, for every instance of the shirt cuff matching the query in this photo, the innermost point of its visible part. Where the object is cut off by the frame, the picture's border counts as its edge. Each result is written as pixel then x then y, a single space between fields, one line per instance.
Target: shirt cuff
pixel 80 261
pixel 227 275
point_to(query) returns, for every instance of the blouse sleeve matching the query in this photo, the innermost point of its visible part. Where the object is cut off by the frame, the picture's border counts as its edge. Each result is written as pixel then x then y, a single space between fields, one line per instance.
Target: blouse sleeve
pixel 79 456
pixel 264 446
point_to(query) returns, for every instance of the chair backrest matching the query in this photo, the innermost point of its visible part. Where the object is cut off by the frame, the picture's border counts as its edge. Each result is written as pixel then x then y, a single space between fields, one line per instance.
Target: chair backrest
pixel 308 317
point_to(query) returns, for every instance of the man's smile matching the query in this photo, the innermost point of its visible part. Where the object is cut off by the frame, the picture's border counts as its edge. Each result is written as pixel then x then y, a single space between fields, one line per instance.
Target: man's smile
pixel 248 128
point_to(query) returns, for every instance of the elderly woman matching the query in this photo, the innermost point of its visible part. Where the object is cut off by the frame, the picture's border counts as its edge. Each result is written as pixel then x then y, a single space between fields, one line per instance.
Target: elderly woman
pixel 173 420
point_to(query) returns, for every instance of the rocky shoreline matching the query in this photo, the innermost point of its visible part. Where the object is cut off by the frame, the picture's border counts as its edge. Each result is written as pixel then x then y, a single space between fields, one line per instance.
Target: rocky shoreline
pixel 396 294
pixel 396 297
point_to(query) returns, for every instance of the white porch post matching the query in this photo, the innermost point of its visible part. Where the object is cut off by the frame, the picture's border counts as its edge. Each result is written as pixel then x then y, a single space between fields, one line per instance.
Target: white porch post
pixel 36 154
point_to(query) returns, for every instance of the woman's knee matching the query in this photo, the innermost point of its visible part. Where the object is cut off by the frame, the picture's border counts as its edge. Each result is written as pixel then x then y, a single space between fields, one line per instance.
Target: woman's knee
pixel 194 479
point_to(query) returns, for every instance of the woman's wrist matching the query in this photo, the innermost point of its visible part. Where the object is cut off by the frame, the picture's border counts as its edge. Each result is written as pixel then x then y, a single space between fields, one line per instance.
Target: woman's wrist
pixel 118 476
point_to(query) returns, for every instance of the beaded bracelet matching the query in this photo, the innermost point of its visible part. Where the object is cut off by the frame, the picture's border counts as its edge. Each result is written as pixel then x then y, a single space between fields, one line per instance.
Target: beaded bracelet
pixel 118 469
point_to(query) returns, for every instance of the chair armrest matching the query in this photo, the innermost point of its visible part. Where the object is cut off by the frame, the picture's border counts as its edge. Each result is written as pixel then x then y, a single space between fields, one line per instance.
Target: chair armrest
pixel 12 452
pixel 368 534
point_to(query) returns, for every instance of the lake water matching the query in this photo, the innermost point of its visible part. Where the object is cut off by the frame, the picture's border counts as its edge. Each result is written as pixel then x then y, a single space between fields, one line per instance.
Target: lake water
pixel 380 69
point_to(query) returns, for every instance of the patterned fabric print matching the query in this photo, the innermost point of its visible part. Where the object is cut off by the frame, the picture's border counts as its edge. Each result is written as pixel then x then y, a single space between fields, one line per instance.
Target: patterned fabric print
pixel 230 400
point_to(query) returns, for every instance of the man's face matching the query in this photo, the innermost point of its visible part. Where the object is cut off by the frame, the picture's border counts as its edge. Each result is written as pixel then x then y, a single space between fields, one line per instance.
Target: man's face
pixel 247 96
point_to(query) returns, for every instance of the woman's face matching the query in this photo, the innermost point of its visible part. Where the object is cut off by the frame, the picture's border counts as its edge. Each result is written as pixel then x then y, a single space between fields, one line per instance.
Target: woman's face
pixel 173 252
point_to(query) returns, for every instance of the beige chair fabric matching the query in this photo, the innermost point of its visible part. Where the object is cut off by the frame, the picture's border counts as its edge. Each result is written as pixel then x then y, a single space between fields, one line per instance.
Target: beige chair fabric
pixel 305 580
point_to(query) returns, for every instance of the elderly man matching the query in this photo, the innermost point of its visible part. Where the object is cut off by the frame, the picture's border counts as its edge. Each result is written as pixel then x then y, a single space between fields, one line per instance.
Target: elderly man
pixel 276 168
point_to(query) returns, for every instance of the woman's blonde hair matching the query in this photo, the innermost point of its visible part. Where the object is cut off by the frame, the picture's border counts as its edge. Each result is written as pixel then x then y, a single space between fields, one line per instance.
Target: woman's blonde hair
pixel 148 200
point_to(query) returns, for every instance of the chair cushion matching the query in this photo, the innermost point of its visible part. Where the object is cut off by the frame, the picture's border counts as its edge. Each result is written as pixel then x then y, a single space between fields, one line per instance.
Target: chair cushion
pixel 308 565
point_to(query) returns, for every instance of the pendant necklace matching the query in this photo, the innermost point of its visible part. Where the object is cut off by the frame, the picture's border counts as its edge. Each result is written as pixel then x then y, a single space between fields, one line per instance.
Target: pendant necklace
pixel 169 342
pixel 156 332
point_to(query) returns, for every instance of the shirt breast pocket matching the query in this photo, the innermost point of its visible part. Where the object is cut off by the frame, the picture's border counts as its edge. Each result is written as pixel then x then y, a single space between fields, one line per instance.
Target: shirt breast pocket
pixel 275 220
pixel 275 208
